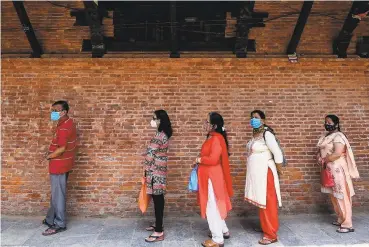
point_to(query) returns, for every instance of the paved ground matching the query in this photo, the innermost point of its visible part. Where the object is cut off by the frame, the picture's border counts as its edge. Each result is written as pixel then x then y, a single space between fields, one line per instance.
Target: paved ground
pixel 298 230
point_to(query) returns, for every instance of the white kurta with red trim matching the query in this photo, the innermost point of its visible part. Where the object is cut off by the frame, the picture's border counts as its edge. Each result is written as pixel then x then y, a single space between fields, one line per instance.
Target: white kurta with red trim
pixel 260 158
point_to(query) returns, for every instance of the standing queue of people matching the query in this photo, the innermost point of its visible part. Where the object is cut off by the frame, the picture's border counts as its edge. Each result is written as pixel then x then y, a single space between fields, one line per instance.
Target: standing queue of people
pixel 262 189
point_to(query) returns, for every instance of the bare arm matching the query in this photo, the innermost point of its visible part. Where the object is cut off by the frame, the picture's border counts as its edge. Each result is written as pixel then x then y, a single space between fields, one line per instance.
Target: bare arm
pixel 59 151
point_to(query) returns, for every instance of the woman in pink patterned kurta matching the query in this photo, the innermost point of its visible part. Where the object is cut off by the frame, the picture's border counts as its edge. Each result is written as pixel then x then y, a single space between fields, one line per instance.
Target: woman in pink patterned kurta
pixel 155 166
pixel 335 153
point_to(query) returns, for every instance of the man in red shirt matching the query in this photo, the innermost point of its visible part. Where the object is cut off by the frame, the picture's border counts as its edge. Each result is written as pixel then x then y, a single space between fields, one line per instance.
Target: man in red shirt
pixel 61 159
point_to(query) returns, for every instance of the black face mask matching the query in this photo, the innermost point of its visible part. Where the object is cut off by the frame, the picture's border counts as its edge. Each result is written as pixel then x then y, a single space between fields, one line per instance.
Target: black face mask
pixel 330 127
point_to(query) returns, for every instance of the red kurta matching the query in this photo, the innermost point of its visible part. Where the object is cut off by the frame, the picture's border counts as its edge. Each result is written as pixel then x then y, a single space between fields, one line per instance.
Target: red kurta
pixel 215 165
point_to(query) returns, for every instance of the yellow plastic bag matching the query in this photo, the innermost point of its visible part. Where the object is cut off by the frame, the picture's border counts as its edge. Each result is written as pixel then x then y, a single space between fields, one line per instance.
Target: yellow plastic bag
pixel 143 198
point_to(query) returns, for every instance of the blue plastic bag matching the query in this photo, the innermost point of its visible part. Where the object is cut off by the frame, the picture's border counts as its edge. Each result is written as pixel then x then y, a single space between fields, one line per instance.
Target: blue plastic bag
pixel 193 184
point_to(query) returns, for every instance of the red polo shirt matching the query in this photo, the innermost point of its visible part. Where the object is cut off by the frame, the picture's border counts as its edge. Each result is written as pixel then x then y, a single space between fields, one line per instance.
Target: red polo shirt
pixel 65 135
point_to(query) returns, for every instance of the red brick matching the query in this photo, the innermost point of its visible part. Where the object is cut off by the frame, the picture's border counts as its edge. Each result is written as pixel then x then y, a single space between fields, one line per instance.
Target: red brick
pixel 112 101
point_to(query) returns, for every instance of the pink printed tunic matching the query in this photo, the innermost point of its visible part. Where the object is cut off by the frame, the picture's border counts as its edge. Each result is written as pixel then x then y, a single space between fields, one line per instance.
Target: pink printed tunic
pixel 156 164
pixel 342 169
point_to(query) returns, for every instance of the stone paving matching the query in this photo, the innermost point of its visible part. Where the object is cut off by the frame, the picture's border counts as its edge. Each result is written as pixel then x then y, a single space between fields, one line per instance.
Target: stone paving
pixel 297 230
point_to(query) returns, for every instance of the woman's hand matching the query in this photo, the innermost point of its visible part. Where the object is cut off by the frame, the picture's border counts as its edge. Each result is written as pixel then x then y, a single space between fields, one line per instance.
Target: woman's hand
pixel 198 160
pixel 325 160
pixel 279 169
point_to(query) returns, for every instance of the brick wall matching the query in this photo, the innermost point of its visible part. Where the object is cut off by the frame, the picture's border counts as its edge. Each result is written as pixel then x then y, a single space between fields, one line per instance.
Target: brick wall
pixel 54 27
pixel 112 101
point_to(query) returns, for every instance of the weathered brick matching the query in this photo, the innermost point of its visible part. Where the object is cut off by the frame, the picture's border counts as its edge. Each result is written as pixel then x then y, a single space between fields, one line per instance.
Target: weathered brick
pixel 112 102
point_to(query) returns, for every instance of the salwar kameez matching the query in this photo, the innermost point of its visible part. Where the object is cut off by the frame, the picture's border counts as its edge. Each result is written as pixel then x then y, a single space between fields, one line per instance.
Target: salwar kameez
pixel 342 169
pixel 262 187
pixel 156 166
pixel 269 216
pixel 215 185
pixel 217 225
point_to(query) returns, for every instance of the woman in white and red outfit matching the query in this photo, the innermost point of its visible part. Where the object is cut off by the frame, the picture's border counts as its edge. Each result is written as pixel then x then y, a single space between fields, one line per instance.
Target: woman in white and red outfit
pixel 262 182
pixel 215 182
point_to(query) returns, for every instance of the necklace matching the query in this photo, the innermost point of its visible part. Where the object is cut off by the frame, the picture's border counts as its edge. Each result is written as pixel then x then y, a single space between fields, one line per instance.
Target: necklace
pixel 258 131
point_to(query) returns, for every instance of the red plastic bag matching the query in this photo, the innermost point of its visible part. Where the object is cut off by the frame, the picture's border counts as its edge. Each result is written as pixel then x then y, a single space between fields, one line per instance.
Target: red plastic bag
pixel 326 178
pixel 143 198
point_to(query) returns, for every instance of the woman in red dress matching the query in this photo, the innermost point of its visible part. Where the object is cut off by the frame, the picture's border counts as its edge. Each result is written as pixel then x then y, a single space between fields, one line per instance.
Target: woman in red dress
pixel 214 178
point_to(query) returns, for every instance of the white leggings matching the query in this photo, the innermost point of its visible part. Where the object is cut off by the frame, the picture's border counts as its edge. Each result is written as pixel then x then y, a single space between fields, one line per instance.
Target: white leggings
pixel 217 226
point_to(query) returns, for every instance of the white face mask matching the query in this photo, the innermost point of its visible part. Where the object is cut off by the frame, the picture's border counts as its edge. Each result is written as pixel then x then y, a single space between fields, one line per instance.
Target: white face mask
pixel 153 124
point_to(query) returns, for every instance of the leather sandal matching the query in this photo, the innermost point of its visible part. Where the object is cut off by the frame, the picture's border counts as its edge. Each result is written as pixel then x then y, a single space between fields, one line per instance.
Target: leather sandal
pixel 211 243
pixel 336 223
pixel 53 230
pixel 154 238
pixel 345 229
pixel 266 241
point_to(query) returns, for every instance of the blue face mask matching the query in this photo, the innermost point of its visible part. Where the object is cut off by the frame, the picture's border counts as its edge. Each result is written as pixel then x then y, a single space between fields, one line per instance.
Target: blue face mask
pixel 55 116
pixel 255 123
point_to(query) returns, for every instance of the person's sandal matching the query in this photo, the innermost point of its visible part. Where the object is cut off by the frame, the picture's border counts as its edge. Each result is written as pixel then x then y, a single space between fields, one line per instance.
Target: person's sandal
pixel 336 223
pixel 345 230
pixel 266 241
pixel 211 243
pixel 154 238
pixel 226 235
pixel 44 222
pixel 53 230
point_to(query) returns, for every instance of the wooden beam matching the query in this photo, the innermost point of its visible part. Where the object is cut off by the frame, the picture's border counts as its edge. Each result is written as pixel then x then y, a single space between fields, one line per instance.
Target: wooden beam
pixel 28 29
pixel 174 53
pixel 113 45
pixel 299 28
pixel 342 42
pixel 243 28
pixel 94 20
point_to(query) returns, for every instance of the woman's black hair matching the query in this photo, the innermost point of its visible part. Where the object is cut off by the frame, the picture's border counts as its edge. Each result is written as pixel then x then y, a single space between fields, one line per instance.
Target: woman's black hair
pixel 336 121
pixel 262 116
pixel 217 119
pixel 165 124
